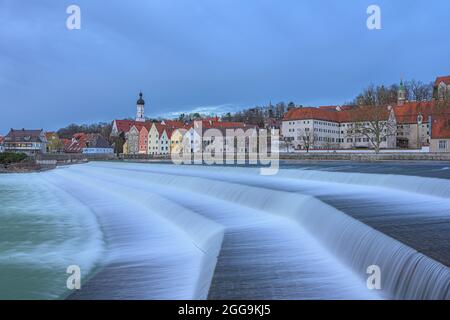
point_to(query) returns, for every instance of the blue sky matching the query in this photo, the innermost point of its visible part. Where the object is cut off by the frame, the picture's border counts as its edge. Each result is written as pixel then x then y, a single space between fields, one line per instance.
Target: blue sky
pixel 209 55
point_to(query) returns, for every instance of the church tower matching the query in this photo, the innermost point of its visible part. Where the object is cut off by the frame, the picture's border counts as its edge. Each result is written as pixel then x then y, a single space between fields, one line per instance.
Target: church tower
pixel 140 109
pixel 401 95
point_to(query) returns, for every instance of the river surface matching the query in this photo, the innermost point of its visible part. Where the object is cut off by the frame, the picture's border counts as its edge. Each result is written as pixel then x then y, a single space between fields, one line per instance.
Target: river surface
pixel 160 231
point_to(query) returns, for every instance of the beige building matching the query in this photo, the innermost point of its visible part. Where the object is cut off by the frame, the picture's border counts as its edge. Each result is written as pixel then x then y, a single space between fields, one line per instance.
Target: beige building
pixel 440 135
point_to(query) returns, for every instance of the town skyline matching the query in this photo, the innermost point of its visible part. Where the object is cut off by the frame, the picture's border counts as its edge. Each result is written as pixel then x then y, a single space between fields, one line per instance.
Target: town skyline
pixel 217 57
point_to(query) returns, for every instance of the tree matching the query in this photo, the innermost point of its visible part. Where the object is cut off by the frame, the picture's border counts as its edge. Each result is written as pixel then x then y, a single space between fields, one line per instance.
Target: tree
pixel 420 91
pixel 119 143
pixel 288 143
pixel 54 144
pixel 102 128
pixel 308 139
pixel 372 119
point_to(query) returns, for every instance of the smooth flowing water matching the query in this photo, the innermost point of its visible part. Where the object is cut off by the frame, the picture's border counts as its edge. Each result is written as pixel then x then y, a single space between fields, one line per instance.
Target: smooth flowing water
pixel 160 231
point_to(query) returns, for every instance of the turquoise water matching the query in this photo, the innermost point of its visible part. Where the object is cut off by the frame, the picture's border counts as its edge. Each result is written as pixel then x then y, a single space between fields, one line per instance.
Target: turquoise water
pixel 43 230
pixel 159 231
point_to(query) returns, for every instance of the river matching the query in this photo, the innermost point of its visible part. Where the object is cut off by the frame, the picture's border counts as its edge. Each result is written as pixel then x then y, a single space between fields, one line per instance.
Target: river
pixel 160 231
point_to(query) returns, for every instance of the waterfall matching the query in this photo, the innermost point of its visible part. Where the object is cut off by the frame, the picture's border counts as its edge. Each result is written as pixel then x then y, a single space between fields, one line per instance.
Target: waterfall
pixel 197 232
pixel 406 273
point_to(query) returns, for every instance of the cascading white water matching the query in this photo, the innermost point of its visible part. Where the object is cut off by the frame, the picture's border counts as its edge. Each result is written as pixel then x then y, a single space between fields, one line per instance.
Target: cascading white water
pixel 408 274
pixel 193 232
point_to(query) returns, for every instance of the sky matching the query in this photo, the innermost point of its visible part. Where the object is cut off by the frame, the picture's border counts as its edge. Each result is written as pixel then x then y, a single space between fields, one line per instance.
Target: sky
pixel 211 56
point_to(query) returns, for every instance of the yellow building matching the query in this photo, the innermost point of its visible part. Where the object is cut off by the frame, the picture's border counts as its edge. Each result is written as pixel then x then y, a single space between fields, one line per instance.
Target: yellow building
pixel 176 140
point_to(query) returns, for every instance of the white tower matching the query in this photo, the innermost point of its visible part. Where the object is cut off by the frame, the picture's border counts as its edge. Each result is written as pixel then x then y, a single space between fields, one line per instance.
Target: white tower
pixel 140 109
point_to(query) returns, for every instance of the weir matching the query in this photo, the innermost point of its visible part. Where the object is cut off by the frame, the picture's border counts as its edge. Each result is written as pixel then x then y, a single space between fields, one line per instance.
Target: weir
pixel 192 232
pixel 408 274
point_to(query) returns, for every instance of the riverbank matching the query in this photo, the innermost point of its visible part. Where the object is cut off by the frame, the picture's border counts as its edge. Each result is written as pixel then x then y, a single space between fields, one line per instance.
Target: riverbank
pixel 50 161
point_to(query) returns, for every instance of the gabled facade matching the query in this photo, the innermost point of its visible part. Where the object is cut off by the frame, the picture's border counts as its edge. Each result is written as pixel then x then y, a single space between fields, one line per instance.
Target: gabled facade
pixel 143 140
pixel 25 141
pixel 440 135
pixel 414 124
pixel 132 138
pixel 176 139
pixel 158 139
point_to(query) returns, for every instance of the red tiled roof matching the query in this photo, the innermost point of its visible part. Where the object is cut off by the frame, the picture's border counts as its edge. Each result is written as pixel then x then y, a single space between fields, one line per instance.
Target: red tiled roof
pixel 174 123
pixel 409 112
pixel 125 125
pixel 406 113
pixel 307 113
pixel 445 80
pixel 147 125
pixel 75 146
pixel 2 138
pixel 169 132
pixel 160 128
pixel 440 127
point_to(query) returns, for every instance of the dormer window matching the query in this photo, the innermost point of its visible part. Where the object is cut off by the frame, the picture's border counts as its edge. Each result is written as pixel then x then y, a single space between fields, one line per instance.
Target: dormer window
pixel 419 118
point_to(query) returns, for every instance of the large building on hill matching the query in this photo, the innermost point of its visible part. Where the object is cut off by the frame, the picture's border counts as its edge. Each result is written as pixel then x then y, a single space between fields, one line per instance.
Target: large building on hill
pixel 407 124
pixel 330 127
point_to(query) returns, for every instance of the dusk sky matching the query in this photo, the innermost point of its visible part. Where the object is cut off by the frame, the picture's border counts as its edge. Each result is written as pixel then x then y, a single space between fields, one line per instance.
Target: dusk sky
pixel 206 55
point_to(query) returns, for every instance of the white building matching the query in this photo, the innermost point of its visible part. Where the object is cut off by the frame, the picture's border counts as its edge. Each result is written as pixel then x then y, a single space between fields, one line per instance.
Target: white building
pixel 335 128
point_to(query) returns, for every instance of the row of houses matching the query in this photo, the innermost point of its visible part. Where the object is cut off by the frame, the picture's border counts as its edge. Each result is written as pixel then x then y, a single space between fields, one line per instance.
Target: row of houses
pixel 38 142
pixel 166 137
pixel 411 125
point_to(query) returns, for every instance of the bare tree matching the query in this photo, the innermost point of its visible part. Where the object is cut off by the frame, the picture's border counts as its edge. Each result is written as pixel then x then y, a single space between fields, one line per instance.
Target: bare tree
pixel 420 91
pixel 307 139
pixel 373 118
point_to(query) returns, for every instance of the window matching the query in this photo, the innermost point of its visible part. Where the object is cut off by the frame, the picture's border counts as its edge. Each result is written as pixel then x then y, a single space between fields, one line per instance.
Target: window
pixel 442 144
